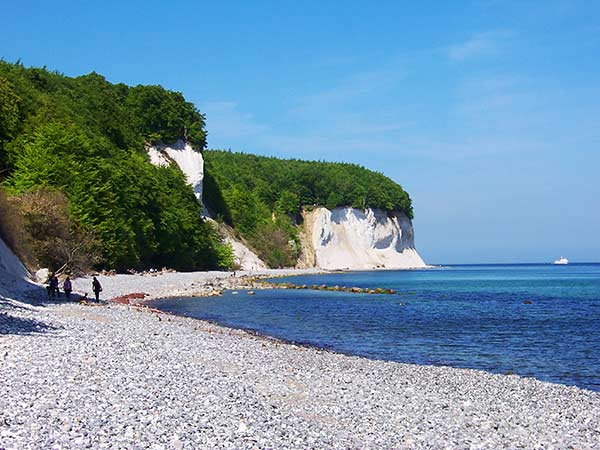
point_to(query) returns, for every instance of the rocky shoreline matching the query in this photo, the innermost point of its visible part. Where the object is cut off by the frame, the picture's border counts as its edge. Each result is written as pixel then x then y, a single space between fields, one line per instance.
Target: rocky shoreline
pixel 182 284
pixel 118 376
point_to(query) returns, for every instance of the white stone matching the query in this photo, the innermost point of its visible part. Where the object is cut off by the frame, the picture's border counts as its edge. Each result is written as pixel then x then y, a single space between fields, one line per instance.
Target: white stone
pixel 41 275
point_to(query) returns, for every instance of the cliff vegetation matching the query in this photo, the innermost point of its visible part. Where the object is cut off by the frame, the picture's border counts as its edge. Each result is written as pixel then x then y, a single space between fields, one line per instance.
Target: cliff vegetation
pixel 77 187
pixel 262 197
pixel 77 146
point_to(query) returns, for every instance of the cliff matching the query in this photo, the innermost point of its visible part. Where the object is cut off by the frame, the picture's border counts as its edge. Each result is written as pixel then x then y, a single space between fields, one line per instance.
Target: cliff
pixel 189 161
pixel 349 238
pixel 84 138
pixel 340 238
pixel 191 164
pixel 263 199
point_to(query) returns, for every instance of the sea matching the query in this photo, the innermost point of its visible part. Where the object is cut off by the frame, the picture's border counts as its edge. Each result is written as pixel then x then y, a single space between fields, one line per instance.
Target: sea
pixel 533 320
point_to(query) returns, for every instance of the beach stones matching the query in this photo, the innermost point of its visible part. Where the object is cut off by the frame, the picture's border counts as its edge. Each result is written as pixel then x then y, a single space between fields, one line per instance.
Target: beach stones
pixel 336 288
pixel 118 376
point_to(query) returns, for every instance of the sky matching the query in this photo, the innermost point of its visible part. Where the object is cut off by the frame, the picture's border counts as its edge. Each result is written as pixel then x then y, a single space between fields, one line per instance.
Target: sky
pixel 487 112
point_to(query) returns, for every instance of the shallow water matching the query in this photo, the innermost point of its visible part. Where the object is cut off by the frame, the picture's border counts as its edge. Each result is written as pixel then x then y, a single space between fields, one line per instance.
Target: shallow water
pixel 533 320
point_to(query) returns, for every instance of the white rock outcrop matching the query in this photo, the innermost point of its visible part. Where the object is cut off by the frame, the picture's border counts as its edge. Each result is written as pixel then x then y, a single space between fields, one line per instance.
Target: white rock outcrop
pixel 191 163
pixel 187 159
pixel 10 265
pixel 349 238
pixel 344 238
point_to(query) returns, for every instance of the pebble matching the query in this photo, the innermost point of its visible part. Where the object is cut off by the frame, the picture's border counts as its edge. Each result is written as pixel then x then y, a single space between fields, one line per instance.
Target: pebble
pixel 113 376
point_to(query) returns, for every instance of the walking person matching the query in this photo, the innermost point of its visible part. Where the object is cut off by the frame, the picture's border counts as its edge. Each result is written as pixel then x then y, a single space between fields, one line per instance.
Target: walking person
pixel 49 289
pixel 52 287
pixel 67 288
pixel 97 288
pixel 55 284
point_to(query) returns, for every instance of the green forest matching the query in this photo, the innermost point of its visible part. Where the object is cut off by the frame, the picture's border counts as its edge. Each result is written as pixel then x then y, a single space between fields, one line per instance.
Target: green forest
pixel 77 189
pixel 82 140
pixel 262 197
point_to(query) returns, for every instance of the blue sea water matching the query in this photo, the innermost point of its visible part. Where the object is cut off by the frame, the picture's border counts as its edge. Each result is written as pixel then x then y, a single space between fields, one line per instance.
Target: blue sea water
pixel 533 320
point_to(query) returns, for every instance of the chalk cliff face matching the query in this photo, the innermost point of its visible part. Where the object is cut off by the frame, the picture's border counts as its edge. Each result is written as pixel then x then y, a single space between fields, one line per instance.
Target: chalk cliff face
pixel 189 161
pixel 10 265
pixel 191 164
pixel 245 258
pixel 344 238
pixel 348 238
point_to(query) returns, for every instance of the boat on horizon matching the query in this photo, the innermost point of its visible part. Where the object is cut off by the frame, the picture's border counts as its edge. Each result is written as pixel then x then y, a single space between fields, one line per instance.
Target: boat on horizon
pixel 561 261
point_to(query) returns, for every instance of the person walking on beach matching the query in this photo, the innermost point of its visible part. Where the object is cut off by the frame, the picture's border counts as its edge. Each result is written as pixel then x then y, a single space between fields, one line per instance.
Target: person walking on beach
pixel 49 290
pixel 55 283
pixel 67 288
pixel 97 288
pixel 52 288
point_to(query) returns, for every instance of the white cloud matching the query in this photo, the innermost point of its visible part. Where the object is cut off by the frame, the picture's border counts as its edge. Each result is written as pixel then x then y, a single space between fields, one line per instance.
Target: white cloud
pixel 489 42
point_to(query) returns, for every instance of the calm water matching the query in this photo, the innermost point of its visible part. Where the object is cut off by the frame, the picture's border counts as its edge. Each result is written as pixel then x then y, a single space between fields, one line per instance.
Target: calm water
pixel 461 316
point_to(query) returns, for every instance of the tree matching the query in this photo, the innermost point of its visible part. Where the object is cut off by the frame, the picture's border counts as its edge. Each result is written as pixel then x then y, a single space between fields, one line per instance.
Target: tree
pixel 84 137
pixel 9 116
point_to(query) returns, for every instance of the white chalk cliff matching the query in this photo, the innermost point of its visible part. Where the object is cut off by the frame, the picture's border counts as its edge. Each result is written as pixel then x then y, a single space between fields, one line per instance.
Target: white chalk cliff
pixel 10 265
pixel 187 159
pixel 245 258
pixel 344 238
pixel 191 163
pixel 349 238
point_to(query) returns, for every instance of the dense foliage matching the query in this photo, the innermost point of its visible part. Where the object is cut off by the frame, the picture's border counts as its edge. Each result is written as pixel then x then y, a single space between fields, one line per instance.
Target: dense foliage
pixel 262 197
pixel 75 146
pixel 85 137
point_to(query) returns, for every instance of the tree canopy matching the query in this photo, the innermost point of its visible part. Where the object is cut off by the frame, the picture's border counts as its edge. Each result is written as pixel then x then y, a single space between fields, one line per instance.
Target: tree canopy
pixel 262 197
pixel 287 185
pixel 85 137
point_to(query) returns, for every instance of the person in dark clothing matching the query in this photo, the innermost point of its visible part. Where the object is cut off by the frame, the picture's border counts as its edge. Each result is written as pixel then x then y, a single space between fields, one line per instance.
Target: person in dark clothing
pixel 97 288
pixel 52 288
pixel 67 288
pixel 55 283
pixel 49 289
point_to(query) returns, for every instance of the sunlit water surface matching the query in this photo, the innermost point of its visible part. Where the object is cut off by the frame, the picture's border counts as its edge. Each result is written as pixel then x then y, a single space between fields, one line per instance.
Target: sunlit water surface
pixel 534 320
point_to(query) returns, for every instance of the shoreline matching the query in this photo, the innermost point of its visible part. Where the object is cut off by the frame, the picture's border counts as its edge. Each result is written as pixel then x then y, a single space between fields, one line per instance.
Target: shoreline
pixel 117 375
pixel 146 305
pixel 250 332
pixel 181 284
pixel 197 284
pixel 217 281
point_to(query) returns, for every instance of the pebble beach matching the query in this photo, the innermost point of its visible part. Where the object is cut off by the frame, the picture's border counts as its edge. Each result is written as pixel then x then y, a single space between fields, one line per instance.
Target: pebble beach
pixel 115 376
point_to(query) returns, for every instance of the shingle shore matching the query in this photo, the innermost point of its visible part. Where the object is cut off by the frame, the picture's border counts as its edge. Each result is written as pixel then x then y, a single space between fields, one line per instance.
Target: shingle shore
pixel 118 377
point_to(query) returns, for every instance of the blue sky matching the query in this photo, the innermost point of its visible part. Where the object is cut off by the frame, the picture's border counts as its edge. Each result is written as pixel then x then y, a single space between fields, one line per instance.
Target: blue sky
pixel 486 112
